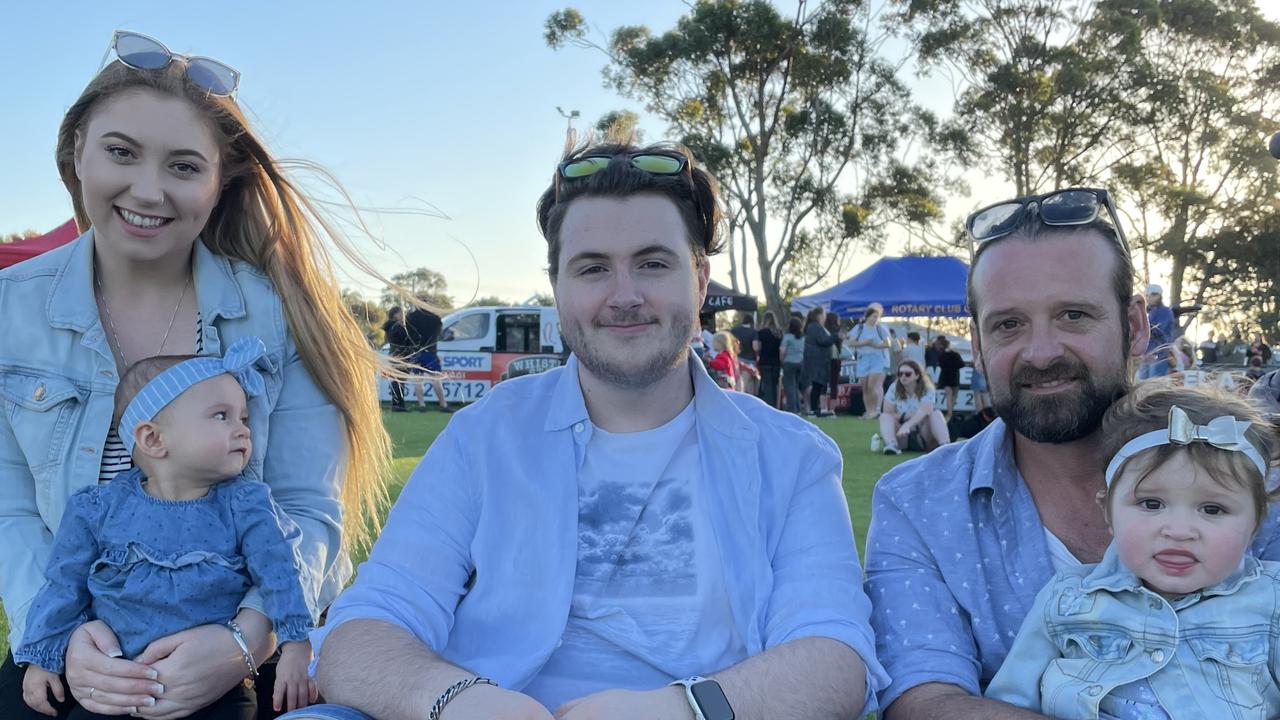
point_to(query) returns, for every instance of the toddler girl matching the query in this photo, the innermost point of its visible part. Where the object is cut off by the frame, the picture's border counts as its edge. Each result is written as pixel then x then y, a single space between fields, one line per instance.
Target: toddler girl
pixel 177 541
pixel 1178 620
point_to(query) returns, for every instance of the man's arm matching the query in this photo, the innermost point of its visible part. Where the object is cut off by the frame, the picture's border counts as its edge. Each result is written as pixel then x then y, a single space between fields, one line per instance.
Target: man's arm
pixel 820 652
pixel 940 701
pixel 809 678
pixel 922 637
pixel 364 666
pixel 375 653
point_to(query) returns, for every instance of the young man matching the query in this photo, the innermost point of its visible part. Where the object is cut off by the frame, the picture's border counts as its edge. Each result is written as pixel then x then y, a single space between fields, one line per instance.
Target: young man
pixel 962 539
pixel 579 540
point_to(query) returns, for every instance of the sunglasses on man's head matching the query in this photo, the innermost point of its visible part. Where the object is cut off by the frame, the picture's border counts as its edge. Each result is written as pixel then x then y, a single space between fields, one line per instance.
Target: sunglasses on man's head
pixel 146 53
pixel 588 165
pixel 1071 206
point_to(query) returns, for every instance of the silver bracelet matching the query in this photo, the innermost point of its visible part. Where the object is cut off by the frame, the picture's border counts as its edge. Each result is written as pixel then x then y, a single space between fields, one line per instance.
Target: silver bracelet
pixel 244 648
pixel 454 691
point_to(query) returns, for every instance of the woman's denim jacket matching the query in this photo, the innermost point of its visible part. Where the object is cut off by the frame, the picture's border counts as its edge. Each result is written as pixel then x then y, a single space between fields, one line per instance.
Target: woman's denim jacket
pixel 57 386
pixel 1210 654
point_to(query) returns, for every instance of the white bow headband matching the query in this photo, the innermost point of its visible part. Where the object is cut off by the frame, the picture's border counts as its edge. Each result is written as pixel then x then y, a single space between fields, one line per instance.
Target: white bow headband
pixel 1225 433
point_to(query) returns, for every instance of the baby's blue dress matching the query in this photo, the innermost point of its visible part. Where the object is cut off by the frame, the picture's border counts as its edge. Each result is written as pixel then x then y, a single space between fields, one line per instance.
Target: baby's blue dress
pixel 149 567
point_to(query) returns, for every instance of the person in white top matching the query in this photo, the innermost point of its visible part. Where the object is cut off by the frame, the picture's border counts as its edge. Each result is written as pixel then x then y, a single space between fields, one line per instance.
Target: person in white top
pixel 908 408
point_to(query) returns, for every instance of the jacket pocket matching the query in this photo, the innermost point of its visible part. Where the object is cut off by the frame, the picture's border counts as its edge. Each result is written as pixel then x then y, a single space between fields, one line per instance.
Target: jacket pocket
pixel 1087 653
pixel 41 410
pixel 1104 646
pixel 1234 668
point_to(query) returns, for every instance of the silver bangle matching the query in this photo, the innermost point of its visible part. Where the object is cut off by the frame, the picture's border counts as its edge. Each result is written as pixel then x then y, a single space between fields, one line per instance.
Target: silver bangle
pixel 454 691
pixel 244 648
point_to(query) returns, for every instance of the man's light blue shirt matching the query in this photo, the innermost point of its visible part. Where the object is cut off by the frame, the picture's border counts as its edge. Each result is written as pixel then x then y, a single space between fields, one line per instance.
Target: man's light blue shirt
pixel 478 556
pixel 956 554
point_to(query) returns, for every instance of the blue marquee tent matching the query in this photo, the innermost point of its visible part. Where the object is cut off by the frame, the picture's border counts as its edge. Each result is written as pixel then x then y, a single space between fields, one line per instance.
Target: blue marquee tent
pixel 905 286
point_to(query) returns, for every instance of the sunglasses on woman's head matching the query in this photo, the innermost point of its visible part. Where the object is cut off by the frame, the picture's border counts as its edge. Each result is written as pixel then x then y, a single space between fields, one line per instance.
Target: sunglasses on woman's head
pixel 146 53
pixel 906 373
pixel 588 165
pixel 1071 206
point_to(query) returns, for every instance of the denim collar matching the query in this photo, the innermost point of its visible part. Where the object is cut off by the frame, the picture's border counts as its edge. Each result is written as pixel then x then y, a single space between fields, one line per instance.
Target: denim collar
pixel 71 304
pixel 1112 575
pixel 712 405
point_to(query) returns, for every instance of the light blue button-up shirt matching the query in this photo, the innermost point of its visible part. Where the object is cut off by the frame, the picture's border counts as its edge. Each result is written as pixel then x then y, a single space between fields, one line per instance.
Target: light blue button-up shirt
pixel 1209 654
pixel 956 553
pixel 478 555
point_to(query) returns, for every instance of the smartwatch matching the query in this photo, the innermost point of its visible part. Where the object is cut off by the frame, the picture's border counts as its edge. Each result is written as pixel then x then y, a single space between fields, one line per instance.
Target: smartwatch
pixel 706 698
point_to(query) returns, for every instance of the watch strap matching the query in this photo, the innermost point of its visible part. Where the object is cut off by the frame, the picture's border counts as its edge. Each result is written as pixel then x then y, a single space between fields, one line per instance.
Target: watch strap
pixel 688 684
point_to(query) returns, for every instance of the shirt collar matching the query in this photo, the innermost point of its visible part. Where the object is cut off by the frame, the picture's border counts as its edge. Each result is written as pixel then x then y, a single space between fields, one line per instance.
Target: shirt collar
pixel 712 406
pixel 72 305
pixel 992 456
pixel 1112 575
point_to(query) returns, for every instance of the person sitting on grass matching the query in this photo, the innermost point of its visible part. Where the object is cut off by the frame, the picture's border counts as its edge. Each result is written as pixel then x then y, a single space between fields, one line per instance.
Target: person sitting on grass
pixel 907 417
pixel 177 541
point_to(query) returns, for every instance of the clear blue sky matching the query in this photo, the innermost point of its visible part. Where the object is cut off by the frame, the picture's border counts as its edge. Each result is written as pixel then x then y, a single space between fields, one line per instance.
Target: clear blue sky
pixel 453 103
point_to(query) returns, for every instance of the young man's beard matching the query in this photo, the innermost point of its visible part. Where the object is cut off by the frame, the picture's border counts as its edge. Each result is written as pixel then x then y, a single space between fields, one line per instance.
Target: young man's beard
pixel 658 359
pixel 1061 417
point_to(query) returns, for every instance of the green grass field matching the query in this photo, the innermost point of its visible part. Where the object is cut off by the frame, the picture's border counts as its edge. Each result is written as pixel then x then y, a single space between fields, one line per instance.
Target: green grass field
pixel 412 433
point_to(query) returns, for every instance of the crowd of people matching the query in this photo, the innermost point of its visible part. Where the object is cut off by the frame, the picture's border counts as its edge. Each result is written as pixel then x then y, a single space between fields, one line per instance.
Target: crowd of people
pixel 191 446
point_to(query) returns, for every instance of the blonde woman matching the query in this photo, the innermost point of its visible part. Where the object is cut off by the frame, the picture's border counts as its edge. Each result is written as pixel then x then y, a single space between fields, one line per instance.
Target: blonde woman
pixel 908 410
pixel 194 237
pixel 871 342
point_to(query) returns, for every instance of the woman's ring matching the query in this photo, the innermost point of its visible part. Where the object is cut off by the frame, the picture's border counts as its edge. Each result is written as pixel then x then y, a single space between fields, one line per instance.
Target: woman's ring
pixel 91 692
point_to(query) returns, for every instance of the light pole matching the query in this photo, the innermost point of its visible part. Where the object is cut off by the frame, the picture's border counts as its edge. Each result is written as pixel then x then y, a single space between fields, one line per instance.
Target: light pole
pixel 570 117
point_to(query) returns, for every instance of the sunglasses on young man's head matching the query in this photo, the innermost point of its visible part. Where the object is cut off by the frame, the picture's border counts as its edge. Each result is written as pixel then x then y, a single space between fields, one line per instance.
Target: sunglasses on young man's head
pixel 146 53
pixel 588 165
pixel 1071 206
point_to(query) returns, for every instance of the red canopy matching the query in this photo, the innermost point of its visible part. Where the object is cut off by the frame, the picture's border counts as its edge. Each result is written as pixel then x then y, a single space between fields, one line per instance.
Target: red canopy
pixel 14 253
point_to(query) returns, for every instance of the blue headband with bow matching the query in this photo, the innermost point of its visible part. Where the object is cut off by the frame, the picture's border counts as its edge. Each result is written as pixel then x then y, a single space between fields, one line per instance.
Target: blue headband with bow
pixel 168 385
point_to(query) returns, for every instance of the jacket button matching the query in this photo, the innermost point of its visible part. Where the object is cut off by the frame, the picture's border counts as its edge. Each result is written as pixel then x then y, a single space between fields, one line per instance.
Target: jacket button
pixel 1157 656
pixel 1095 690
pixel 38 395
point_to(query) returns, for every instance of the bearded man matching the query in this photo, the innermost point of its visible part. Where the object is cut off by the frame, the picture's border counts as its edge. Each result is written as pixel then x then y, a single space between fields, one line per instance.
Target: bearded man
pixel 962 539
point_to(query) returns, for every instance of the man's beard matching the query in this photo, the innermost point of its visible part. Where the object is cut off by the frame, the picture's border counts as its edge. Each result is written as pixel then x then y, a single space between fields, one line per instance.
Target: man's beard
pixel 1062 417
pixel 650 363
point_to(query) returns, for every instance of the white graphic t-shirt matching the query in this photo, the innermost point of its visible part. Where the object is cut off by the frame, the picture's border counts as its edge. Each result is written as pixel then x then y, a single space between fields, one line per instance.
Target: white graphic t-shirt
pixel 650 603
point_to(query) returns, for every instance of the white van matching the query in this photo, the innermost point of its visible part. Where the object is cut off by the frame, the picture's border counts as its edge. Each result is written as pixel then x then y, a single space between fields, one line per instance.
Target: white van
pixel 482 346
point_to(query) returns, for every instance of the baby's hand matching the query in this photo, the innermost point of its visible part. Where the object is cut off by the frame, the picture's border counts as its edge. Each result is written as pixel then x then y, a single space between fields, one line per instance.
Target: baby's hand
pixel 293 686
pixel 37 683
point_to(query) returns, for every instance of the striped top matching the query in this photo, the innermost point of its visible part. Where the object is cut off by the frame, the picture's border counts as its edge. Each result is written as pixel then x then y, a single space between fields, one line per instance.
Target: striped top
pixel 115 457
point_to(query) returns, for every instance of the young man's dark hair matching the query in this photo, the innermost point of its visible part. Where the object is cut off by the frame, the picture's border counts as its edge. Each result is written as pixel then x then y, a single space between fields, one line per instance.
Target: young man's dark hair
pixel 913 336
pixel 692 189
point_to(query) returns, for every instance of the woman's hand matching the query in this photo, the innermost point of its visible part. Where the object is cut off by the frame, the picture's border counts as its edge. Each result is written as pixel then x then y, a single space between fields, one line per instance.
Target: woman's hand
pixel 100 679
pixel 196 667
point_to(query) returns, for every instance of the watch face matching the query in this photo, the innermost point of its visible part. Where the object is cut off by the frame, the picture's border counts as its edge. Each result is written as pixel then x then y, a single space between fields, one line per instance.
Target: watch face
pixel 711 700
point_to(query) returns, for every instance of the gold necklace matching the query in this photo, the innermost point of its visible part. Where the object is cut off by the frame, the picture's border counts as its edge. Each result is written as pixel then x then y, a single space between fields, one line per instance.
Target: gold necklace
pixel 102 295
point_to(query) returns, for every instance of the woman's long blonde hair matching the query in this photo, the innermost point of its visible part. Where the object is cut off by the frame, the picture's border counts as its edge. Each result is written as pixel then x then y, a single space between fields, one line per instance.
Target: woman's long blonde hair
pixel 264 219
